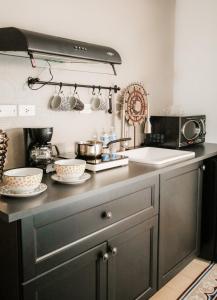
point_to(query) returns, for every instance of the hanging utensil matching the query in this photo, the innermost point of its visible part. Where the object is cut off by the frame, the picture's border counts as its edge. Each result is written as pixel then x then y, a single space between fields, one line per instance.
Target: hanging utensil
pixel 110 102
pixel 147 127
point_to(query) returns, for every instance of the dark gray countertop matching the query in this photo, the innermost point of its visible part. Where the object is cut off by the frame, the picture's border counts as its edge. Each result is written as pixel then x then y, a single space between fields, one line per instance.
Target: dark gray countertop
pixel 57 195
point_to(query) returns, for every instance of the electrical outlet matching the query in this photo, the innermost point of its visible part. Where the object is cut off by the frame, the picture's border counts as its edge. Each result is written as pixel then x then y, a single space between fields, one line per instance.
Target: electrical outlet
pixel 26 110
pixel 8 110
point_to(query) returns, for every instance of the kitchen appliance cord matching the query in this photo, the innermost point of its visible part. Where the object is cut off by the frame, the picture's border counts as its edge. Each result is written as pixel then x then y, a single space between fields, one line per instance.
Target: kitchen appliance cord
pixel 51 78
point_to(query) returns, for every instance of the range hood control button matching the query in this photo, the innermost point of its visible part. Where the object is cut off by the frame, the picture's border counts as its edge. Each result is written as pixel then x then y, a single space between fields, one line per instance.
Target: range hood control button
pixel 80 48
pixel 110 53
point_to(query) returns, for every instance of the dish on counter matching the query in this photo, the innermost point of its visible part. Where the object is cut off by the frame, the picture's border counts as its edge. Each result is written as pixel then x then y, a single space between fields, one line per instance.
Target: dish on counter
pixel 6 191
pixel 70 168
pixel 22 180
pixel 78 180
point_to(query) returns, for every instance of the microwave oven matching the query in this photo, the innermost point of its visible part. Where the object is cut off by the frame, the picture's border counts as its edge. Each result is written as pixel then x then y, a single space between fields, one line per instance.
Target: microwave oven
pixel 176 131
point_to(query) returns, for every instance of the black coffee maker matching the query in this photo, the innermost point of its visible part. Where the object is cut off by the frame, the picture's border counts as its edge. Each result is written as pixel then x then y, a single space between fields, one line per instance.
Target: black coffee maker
pixel 38 148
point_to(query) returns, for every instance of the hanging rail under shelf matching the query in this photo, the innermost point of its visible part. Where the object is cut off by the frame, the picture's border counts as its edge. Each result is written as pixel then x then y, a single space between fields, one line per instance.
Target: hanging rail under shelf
pixel 32 81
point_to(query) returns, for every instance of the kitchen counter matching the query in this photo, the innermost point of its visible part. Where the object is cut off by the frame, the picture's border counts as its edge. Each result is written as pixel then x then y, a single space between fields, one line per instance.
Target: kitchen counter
pixel 82 197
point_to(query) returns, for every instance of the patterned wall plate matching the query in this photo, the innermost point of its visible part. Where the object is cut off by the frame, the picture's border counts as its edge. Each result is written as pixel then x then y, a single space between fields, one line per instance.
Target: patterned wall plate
pixel 136 104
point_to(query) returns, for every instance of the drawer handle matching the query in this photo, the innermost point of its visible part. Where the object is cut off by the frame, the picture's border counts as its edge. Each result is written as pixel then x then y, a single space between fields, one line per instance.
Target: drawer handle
pixel 107 215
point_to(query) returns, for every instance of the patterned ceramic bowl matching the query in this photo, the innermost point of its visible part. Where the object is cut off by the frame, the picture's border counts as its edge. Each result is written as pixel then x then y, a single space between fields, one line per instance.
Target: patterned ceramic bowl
pixel 23 179
pixel 70 168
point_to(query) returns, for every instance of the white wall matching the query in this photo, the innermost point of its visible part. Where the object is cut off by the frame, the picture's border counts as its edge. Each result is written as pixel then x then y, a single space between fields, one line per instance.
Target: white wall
pixel 141 31
pixel 195 81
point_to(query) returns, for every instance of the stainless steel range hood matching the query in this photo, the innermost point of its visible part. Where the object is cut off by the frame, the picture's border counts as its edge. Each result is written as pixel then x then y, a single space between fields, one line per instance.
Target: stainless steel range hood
pixel 38 45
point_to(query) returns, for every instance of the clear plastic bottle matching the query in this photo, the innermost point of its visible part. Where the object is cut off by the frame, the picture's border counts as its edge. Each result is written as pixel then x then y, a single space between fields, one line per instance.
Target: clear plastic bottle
pixel 104 138
pixel 112 137
pixel 112 134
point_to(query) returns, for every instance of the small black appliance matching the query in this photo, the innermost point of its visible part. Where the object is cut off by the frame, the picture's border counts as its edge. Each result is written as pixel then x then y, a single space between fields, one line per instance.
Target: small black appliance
pixel 176 131
pixel 38 148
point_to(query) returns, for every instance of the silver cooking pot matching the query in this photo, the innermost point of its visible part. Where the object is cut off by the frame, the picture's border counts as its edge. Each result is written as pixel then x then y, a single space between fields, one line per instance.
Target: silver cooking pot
pixel 89 149
pixel 93 149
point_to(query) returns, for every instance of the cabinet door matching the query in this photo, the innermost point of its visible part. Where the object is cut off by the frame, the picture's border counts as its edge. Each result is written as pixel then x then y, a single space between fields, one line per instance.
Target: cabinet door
pixel 82 278
pixel 133 261
pixel 180 193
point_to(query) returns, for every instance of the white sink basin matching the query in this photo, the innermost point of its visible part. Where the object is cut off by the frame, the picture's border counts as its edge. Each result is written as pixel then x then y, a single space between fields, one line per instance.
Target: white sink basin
pixel 157 157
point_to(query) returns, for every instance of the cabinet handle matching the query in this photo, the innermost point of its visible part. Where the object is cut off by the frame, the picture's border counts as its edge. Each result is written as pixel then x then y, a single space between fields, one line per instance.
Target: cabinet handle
pixel 203 167
pixel 105 257
pixel 107 215
pixel 114 251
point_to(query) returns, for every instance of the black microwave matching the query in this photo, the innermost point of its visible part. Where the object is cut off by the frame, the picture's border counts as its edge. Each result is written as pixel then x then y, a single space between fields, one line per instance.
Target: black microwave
pixel 176 131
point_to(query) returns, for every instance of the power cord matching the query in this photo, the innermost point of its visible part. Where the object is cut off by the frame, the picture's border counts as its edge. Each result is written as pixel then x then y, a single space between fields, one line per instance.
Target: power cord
pixel 36 79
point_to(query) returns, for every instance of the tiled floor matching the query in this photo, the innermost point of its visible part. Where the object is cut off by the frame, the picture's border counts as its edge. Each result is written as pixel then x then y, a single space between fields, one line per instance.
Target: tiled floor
pixel 175 287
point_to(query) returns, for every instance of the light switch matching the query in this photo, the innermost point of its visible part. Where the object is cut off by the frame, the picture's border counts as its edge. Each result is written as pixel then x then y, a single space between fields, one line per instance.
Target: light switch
pixel 8 110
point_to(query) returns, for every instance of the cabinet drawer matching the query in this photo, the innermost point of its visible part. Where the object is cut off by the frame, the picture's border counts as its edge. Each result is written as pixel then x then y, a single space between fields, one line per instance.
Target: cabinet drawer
pixel 50 240
pixel 65 231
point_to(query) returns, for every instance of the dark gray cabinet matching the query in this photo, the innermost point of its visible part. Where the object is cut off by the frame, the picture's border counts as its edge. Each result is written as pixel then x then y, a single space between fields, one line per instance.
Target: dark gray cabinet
pixel 9 261
pixel 180 197
pixel 123 268
pixel 49 239
pixel 133 263
pixel 117 250
pixel 82 278
pixel 106 252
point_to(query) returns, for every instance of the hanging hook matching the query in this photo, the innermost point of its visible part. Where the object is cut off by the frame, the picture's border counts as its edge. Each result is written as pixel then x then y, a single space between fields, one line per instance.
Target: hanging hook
pixel 110 91
pixel 93 91
pixel 75 90
pixel 60 87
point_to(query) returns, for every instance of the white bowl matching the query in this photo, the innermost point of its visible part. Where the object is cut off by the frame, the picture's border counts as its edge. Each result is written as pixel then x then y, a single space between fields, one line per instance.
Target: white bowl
pixel 23 179
pixel 70 168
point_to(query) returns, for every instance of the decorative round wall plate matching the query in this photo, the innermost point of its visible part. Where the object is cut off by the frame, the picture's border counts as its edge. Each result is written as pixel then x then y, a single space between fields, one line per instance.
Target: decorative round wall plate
pixel 136 104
